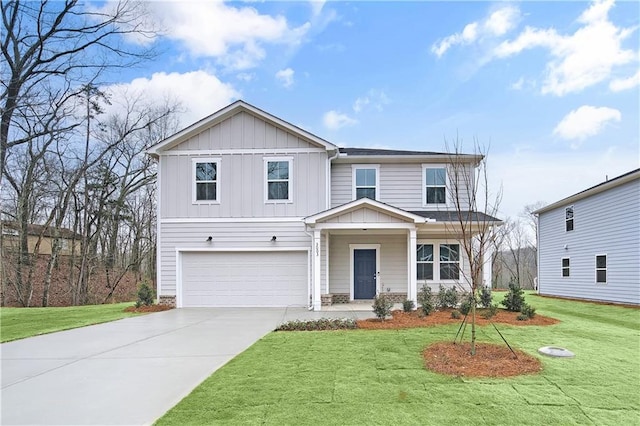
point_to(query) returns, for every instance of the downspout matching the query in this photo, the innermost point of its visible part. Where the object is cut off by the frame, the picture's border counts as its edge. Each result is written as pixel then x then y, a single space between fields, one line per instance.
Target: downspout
pixel 328 192
pixel 537 282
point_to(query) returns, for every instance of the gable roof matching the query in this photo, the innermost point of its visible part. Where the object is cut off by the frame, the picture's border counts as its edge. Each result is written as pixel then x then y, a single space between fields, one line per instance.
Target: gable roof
pixel 601 187
pixel 229 111
pixel 364 202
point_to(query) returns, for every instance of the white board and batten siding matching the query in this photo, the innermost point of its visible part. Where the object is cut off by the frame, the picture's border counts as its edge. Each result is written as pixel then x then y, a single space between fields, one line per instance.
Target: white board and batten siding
pixel 401 185
pixel 241 266
pixel 606 223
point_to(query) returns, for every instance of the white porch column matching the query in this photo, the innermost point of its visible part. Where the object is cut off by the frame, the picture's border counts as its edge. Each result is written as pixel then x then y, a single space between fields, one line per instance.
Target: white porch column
pixel 487 275
pixel 317 302
pixel 412 292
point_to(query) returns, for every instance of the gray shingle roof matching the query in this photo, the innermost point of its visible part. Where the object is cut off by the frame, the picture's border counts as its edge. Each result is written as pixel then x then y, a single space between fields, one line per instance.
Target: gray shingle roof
pixel 371 151
pixel 452 216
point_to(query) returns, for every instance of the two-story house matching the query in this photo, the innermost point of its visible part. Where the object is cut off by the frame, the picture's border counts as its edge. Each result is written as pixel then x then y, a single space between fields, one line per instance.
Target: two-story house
pixel 589 243
pixel 254 211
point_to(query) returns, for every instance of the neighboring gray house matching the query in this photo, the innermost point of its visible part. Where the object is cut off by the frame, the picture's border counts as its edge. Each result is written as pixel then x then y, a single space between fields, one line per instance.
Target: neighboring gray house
pixel 253 211
pixel 589 243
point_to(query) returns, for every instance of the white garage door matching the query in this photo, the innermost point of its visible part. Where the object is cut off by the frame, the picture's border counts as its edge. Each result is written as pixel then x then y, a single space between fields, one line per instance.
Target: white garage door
pixel 245 279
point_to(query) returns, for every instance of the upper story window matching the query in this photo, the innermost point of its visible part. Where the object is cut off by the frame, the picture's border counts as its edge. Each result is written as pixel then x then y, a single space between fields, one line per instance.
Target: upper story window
pixel 435 185
pixel 205 180
pixel 568 219
pixel 365 181
pixel 425 261
pixel 449 261
pixel 601 268
pixel 278 179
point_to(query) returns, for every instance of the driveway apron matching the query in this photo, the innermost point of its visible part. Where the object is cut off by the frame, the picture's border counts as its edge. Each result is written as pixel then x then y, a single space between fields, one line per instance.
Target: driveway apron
pixel 127 372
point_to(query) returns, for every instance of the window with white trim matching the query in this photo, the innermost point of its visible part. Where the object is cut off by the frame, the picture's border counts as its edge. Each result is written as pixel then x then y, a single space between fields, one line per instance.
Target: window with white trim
pixel 205 180
pixel 365 181
pixel 601 268
pixel 566 263
pixel 568 219
pixel 425 262
pixel 278 179
pixel 435 185
pixel 449 261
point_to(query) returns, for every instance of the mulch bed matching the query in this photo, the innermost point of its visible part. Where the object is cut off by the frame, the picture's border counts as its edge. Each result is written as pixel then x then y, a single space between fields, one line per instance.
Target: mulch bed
pixel 490 360
pixel 148 309
pixel 413 319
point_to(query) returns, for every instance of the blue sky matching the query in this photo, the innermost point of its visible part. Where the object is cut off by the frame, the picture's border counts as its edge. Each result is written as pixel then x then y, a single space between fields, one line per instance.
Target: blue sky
pixel 551 87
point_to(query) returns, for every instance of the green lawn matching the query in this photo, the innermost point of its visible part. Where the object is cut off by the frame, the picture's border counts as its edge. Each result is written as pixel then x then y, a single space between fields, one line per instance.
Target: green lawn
pixel 377 377
pixel 18 323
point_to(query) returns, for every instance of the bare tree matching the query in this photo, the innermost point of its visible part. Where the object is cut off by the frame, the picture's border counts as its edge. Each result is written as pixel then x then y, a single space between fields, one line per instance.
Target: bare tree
pixel 473 217
pixel 49 46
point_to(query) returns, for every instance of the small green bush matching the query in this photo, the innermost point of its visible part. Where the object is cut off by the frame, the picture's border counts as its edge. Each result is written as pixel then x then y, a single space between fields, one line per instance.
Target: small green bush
pixel 485 297
pixel 522 317
pixel 490 312
pixel 467 302
pixel 447 297
pixel 528 310
pixel 425 299
pixel 514 299
pixel 145 295
pixel 319 324
pixel 408 305
pixel 382 306
pixel 456 314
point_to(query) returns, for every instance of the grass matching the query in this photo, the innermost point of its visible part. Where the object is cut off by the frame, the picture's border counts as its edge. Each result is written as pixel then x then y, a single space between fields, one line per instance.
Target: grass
pixel 18 323
pixel 377 377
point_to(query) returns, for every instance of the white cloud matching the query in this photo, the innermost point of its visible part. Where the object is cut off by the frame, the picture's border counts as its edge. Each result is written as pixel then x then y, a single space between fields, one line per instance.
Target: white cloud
pixel 531 176
pixel 285 77
pixel 245 76
pixel 518 84
pixel 496 24
pixel 581 59
pixel 374 98
pixel 334 120
pixel 620 84
pixel 199 93
pixel 585 121
pixel 234 35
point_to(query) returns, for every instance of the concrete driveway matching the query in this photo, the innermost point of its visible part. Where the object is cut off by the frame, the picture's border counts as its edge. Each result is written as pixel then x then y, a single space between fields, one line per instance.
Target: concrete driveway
pixel 127 372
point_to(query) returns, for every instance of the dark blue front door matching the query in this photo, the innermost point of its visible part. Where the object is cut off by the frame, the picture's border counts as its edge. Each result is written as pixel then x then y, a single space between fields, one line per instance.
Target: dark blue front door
pixel 364 274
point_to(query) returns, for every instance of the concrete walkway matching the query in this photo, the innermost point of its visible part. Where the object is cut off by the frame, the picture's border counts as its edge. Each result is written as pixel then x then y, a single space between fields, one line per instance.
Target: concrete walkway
pixel 129 372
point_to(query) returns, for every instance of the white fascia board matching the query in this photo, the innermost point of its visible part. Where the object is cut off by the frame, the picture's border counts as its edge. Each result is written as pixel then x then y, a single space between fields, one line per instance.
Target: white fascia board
pixel 226 112
pixel 366 202
pixel 232 220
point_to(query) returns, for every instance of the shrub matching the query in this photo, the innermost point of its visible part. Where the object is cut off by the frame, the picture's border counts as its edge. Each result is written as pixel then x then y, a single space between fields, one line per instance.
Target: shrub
pixel 408 305
pixel 514 299
pixel 522 317
pixel 447 297
pixel 485 297
pixel 382 306
pixel 528 310
pixel 145 295
pixel 467 302
pixel 456 314
pixel 425 299
pixel 490 312
pixel 319 324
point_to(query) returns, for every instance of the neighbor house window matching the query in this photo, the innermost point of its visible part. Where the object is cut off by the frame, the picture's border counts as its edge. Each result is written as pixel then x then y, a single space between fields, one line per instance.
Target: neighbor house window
pixel 435 185
pixel 449 261
pixel 425 261
pixel 278 179
pixel 205 175
pixel 568 218
pixel 565 266
pixel 601 268
pixel 365 182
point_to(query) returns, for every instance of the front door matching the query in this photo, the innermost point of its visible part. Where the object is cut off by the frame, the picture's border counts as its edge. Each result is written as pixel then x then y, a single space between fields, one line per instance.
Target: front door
pixel 364 273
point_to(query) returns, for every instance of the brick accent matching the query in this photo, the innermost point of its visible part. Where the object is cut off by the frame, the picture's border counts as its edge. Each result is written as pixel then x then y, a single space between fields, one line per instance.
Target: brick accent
pixel 167 300
pixel 396 297
pixel 326 299
pixel 340 298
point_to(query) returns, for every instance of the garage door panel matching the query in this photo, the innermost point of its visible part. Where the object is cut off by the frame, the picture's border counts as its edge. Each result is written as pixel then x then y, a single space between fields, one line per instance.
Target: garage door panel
pixel 244 279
